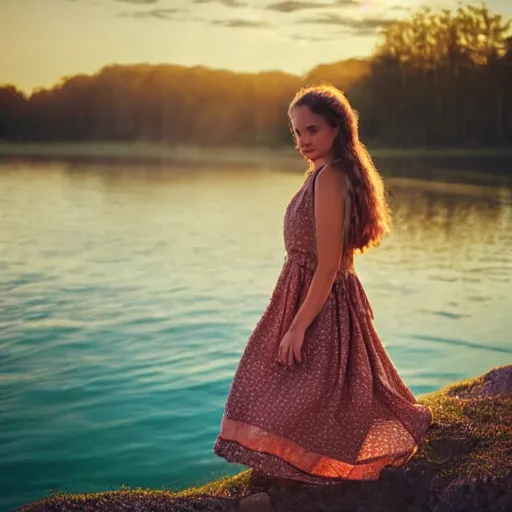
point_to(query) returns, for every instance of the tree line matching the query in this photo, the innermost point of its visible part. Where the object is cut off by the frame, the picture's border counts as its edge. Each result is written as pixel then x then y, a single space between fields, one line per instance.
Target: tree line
pixel 436 79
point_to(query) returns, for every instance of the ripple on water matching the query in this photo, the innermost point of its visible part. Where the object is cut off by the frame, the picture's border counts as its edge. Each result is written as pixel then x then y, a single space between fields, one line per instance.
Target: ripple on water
pixel 505 349
pixel 125 305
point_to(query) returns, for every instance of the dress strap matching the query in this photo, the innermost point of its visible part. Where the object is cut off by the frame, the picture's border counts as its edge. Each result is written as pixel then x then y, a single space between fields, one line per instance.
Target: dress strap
pixel 318 169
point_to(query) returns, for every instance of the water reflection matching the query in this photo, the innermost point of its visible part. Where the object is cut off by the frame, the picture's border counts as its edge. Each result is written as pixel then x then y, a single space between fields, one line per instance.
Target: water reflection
pixel 441 211
pixel 453 169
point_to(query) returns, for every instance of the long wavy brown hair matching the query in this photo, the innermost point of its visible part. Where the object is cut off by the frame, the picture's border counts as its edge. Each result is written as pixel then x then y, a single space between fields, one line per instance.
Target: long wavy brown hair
pixel 369 213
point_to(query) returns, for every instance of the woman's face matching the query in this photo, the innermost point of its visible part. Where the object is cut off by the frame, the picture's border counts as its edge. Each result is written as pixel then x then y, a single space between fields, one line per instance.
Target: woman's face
pixel 314 136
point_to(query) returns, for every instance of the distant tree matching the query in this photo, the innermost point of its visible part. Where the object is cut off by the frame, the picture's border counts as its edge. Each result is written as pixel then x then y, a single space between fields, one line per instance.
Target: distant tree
pixel 436 78
pixel 345 74
pixel 440 79
pixel 12 113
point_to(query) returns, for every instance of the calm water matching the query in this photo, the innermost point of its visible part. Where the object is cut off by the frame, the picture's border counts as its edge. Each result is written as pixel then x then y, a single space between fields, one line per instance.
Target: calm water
pixel 127 296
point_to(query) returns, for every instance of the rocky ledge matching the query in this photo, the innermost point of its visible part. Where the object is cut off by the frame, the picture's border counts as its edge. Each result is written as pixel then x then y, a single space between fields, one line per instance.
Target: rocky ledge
pixel 464 464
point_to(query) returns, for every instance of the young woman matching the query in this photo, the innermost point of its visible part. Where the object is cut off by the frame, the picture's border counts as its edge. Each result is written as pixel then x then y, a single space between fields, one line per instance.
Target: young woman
pixel 315 397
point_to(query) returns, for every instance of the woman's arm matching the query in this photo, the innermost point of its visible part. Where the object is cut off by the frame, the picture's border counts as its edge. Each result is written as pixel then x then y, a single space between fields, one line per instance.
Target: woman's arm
pixel 329 207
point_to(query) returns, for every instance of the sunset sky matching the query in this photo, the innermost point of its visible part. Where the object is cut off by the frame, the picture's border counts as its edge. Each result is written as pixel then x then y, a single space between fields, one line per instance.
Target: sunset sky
pixel 44 40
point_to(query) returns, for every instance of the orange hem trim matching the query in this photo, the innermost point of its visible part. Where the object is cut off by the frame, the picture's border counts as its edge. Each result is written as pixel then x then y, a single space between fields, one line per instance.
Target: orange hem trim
pixel 259 440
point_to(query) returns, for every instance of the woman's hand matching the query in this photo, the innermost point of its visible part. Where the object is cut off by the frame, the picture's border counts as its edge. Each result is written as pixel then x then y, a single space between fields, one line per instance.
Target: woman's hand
pixel 290 349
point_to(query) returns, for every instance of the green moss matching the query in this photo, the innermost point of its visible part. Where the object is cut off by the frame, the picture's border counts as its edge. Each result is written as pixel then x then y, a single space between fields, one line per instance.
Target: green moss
pixel 227 486
pixel 470 437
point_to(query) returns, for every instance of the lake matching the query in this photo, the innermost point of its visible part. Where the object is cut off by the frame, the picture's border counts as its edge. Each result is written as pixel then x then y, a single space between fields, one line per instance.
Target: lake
pixel 128 292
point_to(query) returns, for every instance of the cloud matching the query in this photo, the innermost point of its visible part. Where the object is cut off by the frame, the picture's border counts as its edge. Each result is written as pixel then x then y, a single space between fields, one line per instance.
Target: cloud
pixel 159 14
pixel 240 23
pixel 228 3
pixel 287 6
pixel 294 5
pixel 363 26
pixel 399 8
pixel 139 2
pixel 312 39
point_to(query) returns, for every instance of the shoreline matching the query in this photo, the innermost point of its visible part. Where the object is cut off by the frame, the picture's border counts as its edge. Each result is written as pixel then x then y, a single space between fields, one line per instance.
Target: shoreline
pixel 464 451
pixel 256 156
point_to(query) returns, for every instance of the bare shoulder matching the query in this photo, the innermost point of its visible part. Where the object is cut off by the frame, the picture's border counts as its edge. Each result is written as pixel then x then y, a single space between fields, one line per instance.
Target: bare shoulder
pixel 330 182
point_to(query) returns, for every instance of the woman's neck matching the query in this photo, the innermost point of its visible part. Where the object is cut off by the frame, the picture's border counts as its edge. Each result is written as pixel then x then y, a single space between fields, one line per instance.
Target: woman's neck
pixel 321 162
